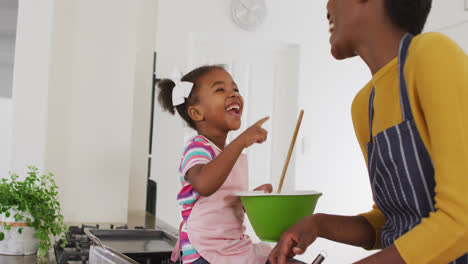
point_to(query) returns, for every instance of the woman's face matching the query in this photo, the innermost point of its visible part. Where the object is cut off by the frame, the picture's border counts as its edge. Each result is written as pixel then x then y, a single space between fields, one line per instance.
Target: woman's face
pixel 344 18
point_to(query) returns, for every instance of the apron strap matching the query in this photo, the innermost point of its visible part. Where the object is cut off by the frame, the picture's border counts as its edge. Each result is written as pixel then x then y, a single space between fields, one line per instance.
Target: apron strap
pixel 176 251
pixel 402 56
pixel 371 112
pixel 404 97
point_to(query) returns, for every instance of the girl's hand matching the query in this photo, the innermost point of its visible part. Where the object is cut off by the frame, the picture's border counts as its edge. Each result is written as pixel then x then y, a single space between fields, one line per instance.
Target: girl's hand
pixel 266 188
pixel 254 134
pixel 294 241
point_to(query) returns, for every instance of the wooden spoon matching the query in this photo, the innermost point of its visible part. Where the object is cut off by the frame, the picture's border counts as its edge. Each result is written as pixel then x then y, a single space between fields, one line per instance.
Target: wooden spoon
pixel 291 147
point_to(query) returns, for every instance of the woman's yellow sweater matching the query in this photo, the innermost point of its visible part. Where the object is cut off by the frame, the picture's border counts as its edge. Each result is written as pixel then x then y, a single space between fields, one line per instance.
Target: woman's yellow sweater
pixel 436 73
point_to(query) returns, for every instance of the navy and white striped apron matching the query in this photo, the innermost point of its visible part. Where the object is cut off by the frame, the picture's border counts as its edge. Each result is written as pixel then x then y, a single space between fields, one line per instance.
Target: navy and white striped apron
pixel 400 168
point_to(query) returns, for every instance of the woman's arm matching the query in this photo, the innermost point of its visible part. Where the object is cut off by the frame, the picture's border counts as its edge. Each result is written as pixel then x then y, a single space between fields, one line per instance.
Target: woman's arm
pixel 439 75
pixel 351 230
pixel 389 255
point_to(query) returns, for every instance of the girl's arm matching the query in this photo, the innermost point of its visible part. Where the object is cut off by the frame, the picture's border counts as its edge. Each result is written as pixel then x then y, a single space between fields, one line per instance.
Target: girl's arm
pixel 208 178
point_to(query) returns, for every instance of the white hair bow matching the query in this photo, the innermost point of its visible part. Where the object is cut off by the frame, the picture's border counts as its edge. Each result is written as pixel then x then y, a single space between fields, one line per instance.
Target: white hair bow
pixel 181 92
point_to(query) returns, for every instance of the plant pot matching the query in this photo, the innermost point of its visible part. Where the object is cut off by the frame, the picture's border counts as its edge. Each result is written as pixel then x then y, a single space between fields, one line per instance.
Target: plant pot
pixel 15 243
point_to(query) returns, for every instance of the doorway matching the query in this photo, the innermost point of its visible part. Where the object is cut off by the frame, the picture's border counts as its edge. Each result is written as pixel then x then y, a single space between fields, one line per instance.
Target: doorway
pixel 267 77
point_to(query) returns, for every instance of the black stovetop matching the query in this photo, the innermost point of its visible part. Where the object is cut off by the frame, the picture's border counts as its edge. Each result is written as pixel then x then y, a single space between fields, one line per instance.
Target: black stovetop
pixel 77 245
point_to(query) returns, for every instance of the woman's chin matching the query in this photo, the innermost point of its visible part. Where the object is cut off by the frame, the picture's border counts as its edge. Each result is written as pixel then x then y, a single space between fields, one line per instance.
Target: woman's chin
pixel 342 50
pixel 336 53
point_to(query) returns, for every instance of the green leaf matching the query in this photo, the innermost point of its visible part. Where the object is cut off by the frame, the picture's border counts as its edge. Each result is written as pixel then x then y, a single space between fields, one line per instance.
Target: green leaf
pixel 2 236
pixel 36 194
pixel 20 230
pixel 18 217
pixel 7 214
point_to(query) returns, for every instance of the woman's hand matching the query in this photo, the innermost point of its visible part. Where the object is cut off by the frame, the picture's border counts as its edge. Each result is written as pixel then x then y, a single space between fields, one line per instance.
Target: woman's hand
pixel 351 230
pixel 266 188
pixel 295 240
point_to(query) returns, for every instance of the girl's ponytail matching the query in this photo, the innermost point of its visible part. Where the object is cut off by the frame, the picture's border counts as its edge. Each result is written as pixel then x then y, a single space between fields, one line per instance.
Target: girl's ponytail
pixel 165 95
pixel 166 87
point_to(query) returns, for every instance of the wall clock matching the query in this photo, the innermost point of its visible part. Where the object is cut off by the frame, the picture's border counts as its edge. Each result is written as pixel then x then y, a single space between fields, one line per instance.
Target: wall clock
pixel 248 14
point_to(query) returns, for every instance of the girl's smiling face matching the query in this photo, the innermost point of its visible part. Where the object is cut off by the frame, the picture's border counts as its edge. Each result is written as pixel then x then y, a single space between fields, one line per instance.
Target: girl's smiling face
pixel 220 102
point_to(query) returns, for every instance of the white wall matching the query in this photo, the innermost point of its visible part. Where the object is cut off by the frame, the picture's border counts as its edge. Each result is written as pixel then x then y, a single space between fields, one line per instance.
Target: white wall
pixel 100 107
pixel 91 110
pixel 445 14
pixel 328 157
pixel 81 100
pixel 450 18
pixel 8 22
pixel 143 72
pixel 8 25
pixel 6 116
pixel 30 84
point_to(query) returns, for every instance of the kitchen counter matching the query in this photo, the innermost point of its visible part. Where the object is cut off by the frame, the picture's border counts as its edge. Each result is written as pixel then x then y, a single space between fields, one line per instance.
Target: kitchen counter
pixel 135 218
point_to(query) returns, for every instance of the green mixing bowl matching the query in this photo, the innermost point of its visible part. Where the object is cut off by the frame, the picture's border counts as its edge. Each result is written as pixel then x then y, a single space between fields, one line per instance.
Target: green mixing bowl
pixel 271 214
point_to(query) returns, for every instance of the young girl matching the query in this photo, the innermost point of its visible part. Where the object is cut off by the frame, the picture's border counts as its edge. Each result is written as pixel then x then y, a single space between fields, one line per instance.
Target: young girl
pixel 212 228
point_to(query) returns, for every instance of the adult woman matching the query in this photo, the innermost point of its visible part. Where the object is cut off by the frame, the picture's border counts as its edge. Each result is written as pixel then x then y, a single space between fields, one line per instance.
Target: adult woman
pixel 411 123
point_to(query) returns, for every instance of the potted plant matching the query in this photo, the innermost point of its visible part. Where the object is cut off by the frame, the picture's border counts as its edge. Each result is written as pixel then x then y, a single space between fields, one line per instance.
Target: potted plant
pixel 30 216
